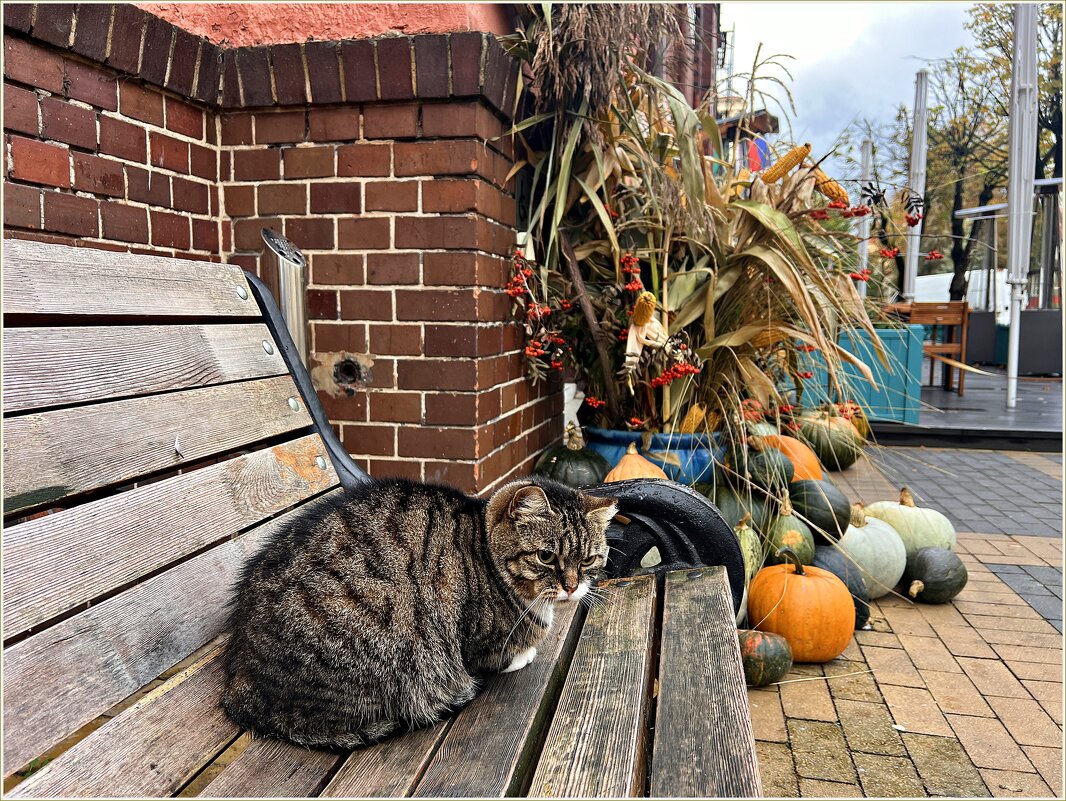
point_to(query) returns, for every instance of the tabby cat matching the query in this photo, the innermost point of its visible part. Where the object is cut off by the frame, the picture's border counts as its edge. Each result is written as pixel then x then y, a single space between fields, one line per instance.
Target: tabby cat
pixel 381 609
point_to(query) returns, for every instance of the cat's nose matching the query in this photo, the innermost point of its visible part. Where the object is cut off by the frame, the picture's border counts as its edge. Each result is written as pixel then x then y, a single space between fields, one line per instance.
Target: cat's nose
pixel 570 589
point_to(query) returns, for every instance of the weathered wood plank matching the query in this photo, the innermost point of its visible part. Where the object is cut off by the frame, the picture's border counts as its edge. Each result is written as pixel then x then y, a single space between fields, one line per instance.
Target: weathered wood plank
pixel 54 563
pixel 50 455
pixel 389 769
pixel 274 769
pixel 37 280
pixel 50 367
pixel 152 748
pixel 59 680
pixel 712 753
pixel 595 746
pixel 480 758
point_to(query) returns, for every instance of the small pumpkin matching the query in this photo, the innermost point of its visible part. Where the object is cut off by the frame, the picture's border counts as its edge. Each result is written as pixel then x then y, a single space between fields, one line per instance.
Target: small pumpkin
pixel 833 439
pixel 805 463
pixel 823 507
pixel 770 469
pixel 788 531
pixel 917 527
pixel 808 606
pixel 633 465
pixel 761 429
pixel 835 562
pixel 766 657
pixel 935 576
pixel 572 463
pixel 877 549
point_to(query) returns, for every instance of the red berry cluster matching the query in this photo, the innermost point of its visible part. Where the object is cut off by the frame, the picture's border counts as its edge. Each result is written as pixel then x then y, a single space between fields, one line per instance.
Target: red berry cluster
pixel 806 348
pixel 934 255
pixel 857 211
pixel 518 286
pixel 752 410
pixel 594 403
pixel 671 374
pixel 635 422
pixel 837 204
pixel 890 253
pixel 861 275
pixel 805 374
pixel 819 214
pixel 630 266
pixel 913 219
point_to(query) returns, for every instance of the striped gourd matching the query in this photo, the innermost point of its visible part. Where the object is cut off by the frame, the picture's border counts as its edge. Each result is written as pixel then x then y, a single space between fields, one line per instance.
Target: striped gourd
pixel 781 168
pixel 828 187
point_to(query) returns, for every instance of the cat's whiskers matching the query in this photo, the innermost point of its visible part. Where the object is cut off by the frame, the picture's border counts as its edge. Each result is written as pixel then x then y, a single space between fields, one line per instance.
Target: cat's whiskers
pixel 503 649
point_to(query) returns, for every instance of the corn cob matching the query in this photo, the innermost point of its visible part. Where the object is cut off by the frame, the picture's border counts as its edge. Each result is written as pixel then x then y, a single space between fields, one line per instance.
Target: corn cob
pixel 780 169
pixel 644 308
pixel 828 187
pixel 693 419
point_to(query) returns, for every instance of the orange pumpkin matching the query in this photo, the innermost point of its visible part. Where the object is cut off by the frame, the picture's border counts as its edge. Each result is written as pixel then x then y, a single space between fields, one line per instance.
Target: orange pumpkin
pixel 633 465
pixel 808 606
pixel 803 459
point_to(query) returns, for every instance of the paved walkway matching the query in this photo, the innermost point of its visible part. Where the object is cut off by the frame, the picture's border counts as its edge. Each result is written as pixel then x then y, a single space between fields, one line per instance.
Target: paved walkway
pixel 961 699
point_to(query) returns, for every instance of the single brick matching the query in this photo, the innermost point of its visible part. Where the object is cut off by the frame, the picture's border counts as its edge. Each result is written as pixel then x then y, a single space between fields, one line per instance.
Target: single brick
pixel 205 235
pixel 203 162
pixel 231 86
pixel 254 66
pixel 282 126
pixel 67 123
pixel 392 195
pixel 20 110
pixel 323 72
pixel 451 409
pixel 394 68
pixel 431 66
pixel 237 129
pixel 366 304
pixel 363 233
pixel 392 268
pixel 210 70
pixel 360 74
pixel 436 304
pixel 128 33
pixel 184 118
pixel 118 138
pixel 99 176
pixel 18 16
pixel 71 214
pixel 183 62
pixel 349 337
pixel 39 163
pixel 393 121
pixel 92 86
pixel 437 443
pixel 282 198
pixel 394 407
pixel 256 165
pixel 54 23
pixel 22 205
pixel 240 200
pixel 334 124
pixel 337 268
pixel 125 223
pixel 423 233
pixel 149 187
pixel 450 196
pixel 309 162
pixel 337 197
pixel 310 233
pixel 439 157
pixel 466 49
pixel 247 233
pixel 289 78
pixel 497 66
pixel 140 103
pixel 364 160
pixel 156 53
pixel 190 195
pixel 436 374
pixel 169 153
pixel 27 63
pixel 322 304
pixel 375 440
pixel 170 230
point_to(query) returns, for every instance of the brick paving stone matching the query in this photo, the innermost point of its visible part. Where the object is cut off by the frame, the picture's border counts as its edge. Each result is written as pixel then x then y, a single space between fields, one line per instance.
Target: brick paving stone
pixel 806 699
pixel 906 620
pixel 892 666
pixel 992 677
pixel 988 743
pixel 881 639
pixel 846 682
pixel 767 719
pixel 1049 695
pixel 929 653
pixel 1014 784
pixel 1002 610
pixel 820 751
pixel 944 766
pixel 1048 606
pixel 1037 671
pixel 1026 638
pixel 994 622
pixel 868 728
pixel 813 788
pixel 1027 721
pixel 940 615
pixel 955 693
pixel 776 770
pixel 986 596
pixel 887 776
pixel 1048 762
pixel 965 641
pixel 1022 653
pixel 1024 584
pixel 915 710
pixel 851 653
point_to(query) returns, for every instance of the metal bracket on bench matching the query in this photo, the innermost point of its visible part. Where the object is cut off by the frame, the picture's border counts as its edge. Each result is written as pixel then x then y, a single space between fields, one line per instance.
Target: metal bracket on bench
pixel 688 530
pixel 348 472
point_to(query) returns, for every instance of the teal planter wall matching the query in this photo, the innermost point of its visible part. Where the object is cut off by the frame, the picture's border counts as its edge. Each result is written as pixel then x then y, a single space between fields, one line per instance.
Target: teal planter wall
pixel 895 395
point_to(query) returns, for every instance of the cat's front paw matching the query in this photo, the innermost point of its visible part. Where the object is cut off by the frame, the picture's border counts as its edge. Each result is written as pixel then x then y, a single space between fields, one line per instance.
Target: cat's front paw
pixel 521 659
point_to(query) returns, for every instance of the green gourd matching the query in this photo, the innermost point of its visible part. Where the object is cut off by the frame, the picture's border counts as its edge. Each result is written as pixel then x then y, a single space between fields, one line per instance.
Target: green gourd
pixel 917 527
pixel 766 656
pixel 834 440
pixel 734 504
pixel 824 508
pixel 572 463
pixel 770 469
pixel 877 549
pixel 835 562
pixel 788 531
pixel 935 576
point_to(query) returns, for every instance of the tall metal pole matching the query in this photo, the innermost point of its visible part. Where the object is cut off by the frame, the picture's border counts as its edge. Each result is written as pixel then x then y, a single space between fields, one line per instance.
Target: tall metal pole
pixel 1020 169
pixel 916 180
pixel 864 222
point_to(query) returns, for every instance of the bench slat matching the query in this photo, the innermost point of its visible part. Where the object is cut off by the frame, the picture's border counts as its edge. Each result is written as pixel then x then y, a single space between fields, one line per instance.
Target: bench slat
pixel 49 367
pixel 54 563
pixel 480 758
pixel 59 680
pixel 152 748
pixel 273 769
pixel 43 278
pixel 710 754
pixel 596 742
pixel 50 455
pixel 389 769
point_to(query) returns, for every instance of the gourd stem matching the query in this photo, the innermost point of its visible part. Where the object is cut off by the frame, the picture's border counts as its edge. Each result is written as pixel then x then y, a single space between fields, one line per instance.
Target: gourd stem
pixel 905 498
pixel 794 560
pixel 858 515
pixel 916 587
pixel 786 506
pixel 574 440
pixel 632 448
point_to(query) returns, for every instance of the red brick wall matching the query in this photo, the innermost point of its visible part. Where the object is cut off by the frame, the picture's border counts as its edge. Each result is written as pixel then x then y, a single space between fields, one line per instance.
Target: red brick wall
pixel 390 178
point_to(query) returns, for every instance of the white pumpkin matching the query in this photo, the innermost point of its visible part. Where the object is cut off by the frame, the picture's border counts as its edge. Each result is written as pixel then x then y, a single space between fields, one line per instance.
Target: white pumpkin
pixel 876 548
pixel 917 527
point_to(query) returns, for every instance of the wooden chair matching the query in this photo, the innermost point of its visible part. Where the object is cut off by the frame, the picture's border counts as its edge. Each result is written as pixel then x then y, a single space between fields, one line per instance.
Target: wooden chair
pixel 156 430
pixel 953 316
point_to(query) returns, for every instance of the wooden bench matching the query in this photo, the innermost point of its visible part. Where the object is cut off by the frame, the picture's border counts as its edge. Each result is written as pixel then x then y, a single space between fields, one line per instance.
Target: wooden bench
pixel 154 435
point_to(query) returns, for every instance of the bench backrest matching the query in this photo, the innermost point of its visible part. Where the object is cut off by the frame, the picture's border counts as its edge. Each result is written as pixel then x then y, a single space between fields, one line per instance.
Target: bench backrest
pixel 950 313
pixel 151 427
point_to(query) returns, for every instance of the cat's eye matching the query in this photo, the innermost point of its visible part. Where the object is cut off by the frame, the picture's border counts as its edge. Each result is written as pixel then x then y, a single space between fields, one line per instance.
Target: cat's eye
pixel 546 557
pixel 590 561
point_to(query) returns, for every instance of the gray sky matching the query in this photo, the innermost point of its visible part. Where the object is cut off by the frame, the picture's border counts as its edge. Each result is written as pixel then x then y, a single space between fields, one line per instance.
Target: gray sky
pixel 851 59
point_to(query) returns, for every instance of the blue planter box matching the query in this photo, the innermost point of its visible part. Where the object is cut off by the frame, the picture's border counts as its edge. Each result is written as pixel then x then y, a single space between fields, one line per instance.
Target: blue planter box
pixel 895 395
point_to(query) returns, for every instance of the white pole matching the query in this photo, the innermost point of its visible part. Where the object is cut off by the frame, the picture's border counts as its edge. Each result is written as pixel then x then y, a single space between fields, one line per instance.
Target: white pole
pixel 916 180
pixel 1020 170
pixel 864 222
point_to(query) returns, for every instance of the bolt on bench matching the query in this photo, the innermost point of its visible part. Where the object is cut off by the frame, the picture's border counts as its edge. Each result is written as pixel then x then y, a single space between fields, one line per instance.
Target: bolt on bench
pixel 155 431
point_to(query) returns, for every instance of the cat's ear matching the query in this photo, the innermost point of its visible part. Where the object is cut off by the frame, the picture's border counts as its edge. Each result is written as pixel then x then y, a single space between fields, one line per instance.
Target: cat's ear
pixel 529 503
pixel 600 511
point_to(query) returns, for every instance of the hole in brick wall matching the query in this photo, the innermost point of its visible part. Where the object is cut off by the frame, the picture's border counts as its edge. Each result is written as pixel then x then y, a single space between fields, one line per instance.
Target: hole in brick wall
pixel 347 371
pixel 342 374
